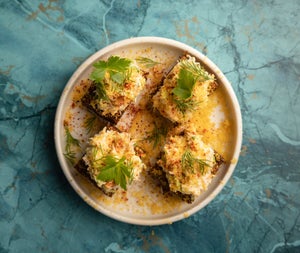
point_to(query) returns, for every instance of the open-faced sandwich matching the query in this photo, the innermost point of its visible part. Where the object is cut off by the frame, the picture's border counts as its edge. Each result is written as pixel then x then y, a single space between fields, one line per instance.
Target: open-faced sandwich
pixel 185 89
pixel 187 165
pixel 114 84
pixel 111 161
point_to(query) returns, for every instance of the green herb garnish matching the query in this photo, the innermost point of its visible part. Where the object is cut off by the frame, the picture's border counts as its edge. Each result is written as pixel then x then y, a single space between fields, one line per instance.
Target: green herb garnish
pixel 157 135
pixel 70 156
pixel 118 170
pixel 183 90
pixel 118 70
pixel 183 105
pixel 100 90
pixel 195 68
pixel 146 62
pixel 185 84
pixel 115 66
pixel 89 123
pixel 189 74
pixel 189 162
pixel 71 142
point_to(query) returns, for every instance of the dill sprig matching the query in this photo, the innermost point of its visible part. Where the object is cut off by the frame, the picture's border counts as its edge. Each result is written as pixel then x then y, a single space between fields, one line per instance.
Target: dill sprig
pixel 146 62
pixel 70 156
pixel 71 144
pixel 101 91
pixel 157 135
pixel 184 105
pixel 190 163
pixel 89 123
pixel 197 70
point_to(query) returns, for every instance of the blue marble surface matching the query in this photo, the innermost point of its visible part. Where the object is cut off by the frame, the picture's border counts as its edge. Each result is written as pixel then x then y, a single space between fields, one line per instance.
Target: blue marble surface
pixel 255 43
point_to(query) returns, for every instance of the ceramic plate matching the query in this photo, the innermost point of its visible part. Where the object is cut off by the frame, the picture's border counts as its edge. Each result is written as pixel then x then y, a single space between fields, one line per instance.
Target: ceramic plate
pixel 144 203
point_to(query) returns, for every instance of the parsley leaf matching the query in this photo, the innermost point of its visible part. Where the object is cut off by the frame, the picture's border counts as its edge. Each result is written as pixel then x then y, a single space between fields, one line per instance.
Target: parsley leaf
pixel 118 170
pixel 98 74
pixel 185 84
pixel 115 66
pixel 190 73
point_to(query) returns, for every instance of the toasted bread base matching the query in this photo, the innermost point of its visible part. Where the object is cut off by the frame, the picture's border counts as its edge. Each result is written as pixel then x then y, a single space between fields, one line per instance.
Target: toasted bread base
pixel 158 173
pixel 108 189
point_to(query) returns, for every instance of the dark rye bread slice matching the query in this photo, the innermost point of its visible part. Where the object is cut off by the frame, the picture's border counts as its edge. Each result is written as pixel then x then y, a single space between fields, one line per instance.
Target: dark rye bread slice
pixel 158 173
pixel 87 101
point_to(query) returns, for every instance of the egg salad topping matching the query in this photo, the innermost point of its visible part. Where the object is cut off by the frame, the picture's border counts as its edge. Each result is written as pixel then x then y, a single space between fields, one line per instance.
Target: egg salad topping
pixel 111 158
pixel 184 90
pixel 187 162
pixel 118 82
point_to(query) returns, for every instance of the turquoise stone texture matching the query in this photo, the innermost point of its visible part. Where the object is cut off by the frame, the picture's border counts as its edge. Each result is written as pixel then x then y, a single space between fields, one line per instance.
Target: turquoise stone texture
pixel 257 46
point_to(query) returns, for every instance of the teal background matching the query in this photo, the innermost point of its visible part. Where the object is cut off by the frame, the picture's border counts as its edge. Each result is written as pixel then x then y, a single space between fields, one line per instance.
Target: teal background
pixel 255 43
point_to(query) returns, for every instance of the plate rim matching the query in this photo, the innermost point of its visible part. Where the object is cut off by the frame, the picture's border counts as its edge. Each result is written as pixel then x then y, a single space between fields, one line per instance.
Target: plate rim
pixel 159 41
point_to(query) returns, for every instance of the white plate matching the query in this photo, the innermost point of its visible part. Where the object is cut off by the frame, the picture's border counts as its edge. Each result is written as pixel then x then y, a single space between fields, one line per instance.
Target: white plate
pixel 143 206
